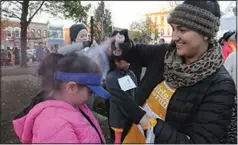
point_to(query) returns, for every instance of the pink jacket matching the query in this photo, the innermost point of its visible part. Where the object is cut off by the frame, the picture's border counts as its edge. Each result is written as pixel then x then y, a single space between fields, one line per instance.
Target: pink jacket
pixel 226 50
pixel 55 121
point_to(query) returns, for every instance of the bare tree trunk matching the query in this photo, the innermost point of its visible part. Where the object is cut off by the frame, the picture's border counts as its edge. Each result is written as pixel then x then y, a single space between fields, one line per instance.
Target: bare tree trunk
pixel 24 25
pixel 23 62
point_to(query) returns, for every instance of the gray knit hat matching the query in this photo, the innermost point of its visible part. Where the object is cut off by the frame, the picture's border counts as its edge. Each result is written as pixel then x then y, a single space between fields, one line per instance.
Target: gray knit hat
pixel 195 18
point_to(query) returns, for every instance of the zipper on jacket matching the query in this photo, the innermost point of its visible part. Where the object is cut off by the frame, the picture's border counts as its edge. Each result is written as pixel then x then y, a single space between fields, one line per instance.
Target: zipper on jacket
pixel 90 121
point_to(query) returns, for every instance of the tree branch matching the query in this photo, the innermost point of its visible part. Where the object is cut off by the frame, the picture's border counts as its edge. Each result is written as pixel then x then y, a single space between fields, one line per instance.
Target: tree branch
pixel 12 14
pixel 17 5
pixel 20 2
pixel 31 17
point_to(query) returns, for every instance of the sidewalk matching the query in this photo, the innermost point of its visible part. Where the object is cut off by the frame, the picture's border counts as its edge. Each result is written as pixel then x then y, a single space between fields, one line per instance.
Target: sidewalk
pixel 17 70
pixel 32 64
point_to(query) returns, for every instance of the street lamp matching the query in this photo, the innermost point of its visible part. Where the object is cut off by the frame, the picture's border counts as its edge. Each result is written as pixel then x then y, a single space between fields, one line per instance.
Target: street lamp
pixel 91 28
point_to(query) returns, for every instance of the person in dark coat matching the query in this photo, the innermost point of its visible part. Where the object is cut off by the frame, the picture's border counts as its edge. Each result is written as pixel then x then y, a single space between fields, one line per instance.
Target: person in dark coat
pixel 119 69
pixel 40 54
pixel 9 56
pixel 186 96
pixel 161 41
pixel 17 56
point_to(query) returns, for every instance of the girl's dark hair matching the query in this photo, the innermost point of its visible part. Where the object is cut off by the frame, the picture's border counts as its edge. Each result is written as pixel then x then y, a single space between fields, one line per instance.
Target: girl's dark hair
pixel 71 63
pixel 112 62
pixel 47 69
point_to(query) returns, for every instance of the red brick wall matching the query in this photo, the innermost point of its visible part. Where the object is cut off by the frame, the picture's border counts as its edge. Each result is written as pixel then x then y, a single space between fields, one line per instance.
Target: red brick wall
pixel 6 24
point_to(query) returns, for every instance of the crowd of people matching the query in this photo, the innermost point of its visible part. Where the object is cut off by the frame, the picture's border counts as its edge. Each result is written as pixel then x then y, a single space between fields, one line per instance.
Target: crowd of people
pixel 38 53
pixel 10 56
pixel 187 94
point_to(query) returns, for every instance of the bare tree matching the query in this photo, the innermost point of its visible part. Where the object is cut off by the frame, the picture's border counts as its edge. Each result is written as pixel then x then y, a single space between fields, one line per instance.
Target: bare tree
pixel 25 12
pixel 234 10
pixel 174 3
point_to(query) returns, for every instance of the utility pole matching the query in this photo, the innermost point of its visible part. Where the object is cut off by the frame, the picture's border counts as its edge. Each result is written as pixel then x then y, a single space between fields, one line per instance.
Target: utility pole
pixel 91 28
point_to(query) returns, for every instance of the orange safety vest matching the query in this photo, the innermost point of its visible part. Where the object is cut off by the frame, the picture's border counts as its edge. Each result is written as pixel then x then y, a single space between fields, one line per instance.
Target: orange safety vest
pixel 157 103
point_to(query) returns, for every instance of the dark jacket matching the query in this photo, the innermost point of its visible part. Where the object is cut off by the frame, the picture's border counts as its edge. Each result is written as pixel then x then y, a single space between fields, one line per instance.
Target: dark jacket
pixel 197 114
pixel 136 69
pixel 40 54
pixel 116 118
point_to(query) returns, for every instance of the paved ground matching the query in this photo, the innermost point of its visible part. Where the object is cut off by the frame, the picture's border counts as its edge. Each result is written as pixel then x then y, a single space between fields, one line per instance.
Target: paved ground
pixel 16 70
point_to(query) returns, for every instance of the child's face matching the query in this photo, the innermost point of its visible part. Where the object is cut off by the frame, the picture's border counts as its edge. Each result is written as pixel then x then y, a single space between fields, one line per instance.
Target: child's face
pixel 122 64
pixel 76 94
pixel 82 36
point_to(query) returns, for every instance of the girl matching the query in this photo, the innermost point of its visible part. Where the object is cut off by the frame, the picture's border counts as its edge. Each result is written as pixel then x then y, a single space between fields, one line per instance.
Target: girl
pixel 80 42
pixel 186 95
pixel 61 115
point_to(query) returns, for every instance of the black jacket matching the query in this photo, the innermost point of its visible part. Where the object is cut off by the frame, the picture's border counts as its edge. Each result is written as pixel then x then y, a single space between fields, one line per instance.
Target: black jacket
pixel 136 69
pixel 116 118
pixel 197 114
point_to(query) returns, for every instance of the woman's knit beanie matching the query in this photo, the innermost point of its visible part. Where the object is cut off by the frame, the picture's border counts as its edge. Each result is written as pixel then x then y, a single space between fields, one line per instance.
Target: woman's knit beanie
pixel 200 16
pixel 74 30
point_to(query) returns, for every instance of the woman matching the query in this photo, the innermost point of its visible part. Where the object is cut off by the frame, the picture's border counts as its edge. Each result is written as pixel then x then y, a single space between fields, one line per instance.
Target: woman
pixel 78 35
pixel 62 116
pixel 186 87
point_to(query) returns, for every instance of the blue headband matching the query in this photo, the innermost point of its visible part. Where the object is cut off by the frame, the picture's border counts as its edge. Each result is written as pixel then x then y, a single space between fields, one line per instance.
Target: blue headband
pixel 93 79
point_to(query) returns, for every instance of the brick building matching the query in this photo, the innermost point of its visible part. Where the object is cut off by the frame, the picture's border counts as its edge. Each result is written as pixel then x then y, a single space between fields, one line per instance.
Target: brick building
pixel 160 20
pixel 55 35
pixel 11 32
pixel 37 32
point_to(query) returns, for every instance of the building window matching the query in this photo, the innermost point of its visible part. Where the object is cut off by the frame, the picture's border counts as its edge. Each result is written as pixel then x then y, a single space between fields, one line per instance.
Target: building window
pixel 60 36
pixel 165 20
pixel 54 34
pixel 38 33
pixel 168 31
pixel 50 34
pixel 9 32
pixel 161 31
pixel 17 32
pixel 44 33
pixel 158 19
pixel 155 20
pixel 33 33
pixel 162 20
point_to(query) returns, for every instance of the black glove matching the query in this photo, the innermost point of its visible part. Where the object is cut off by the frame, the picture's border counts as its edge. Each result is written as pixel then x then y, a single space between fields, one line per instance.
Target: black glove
pixel 128 42
pixel 133 111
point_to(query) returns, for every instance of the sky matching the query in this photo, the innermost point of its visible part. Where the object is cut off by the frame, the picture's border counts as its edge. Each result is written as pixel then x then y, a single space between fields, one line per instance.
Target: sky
pixel 123 12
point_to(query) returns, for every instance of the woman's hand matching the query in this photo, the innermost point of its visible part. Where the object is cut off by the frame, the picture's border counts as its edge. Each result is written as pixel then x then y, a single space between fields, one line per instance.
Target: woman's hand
pixel 145 121
pixel 129 106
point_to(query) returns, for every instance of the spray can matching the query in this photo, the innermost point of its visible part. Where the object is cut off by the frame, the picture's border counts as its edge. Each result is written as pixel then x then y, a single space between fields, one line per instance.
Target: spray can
pixel 119 39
